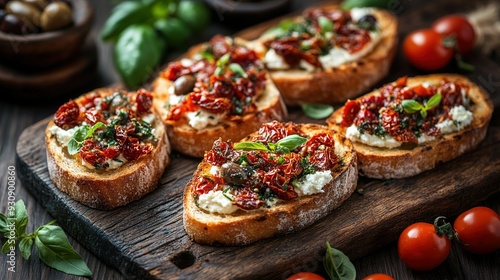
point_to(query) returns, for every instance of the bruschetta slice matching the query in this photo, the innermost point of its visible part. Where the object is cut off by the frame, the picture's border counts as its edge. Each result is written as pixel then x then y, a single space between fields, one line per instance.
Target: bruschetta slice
pixel 327 55
pixel 413 124
pixel 218 89
pixel 107 147
pixel 280 179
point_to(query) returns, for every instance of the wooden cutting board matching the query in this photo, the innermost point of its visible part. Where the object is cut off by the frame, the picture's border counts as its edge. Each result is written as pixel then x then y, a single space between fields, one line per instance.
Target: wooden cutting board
pixel 146 239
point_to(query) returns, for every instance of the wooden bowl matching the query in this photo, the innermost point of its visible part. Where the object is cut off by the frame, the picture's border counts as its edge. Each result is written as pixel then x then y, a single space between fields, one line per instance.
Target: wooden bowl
pixel 46 49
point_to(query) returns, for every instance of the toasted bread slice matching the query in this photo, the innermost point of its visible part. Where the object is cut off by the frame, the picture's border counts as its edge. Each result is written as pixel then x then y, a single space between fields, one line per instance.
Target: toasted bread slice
pixel 282 216
pixel 192 141
pixel 100 184
pixel 413 158
pixel 347 80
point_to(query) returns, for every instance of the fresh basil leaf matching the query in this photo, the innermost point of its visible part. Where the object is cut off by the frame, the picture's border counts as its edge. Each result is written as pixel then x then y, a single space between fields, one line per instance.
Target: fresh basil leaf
pixel 124 15
pixel 175 32
pixel 224 60
pixel 325 24
pixel 195 14
pixel 26 246
pixel 8 243
pixel 250 146
pixel 237 69
pixel 411 106
pixel 93 129
pixel 433 101
pixel 337 265
pixel 423 113
pixel 291 142
pixel 207 55
pixel 317 111
pixel 137 53
pixel 76 141
pixel 4 224
pixel 349 4
pixel 56 251
pixel 21 218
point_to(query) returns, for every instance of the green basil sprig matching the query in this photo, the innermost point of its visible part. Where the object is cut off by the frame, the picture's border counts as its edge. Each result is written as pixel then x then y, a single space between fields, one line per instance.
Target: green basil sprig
pixel 53 246
pixel 143 31
pixel 317 111
pixel 411 106
pixel 82 133
pixel 284 145
pixel 337 265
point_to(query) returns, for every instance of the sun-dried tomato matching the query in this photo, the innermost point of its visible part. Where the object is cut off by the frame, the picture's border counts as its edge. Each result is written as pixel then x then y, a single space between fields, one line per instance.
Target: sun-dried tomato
pixel 391 122
pixel 290 167
pixel 451 94
pixel 321 151
pixel 245 57
pixel 247 199
pixel 67 115
pixel 274 131
pixel 89 100
pixel 215 105
pixel 401 82
pixel 222 87
pixel 132 149
pixel 93 116
pixel 92 153
pixel 279 184
pixel 220 46
pixel 220 153
pixel 351 109
pixel 144 101
pixel 373 102
pixel 352 39
pixel 112 152
pixel 204 185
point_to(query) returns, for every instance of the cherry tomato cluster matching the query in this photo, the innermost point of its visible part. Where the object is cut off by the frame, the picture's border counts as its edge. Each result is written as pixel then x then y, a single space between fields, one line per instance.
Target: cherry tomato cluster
pixel 432 49
pixel 423 246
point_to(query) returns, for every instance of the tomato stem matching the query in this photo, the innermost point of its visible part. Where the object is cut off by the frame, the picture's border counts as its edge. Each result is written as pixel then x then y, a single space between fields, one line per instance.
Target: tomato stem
pixel 446 229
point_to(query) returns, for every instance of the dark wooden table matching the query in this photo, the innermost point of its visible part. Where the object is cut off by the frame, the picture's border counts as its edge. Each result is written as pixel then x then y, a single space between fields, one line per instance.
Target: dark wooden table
pixel 15 117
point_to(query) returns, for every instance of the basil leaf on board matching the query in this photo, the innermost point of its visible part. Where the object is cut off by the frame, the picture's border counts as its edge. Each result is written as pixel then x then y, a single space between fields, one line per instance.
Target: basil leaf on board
pixel 337 265
pixel 411 106
pixel 56 251
pixel 21 218
pixel 137 53
pixel 291 142
pixel 194 13
pixel 123 15
pixel 317 111
pixel 174 31
pixel 26 246
pixel 249 146
pixel 7 245
pixel 433 101
pixel 349 4
pixel 4 228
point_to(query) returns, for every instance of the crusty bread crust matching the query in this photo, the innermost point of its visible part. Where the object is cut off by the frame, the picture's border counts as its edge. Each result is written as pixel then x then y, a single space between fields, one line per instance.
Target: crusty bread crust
pixel 243 227
pixel 192 142
pixel 346 81
pixel 383 163
pixel 110 188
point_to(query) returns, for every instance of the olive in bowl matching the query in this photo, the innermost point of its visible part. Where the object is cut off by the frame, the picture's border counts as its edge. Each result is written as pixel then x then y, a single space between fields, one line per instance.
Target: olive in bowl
pixel 33 38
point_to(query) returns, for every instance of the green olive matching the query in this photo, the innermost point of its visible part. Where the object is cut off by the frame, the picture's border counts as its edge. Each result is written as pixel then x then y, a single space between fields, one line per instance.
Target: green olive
pixel 24 10
pixel 56 16
pixel 40 4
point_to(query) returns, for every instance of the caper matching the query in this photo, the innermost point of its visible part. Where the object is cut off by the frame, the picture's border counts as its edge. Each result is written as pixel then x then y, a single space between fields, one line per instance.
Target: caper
pixel 39 4
pixel 56 16
pixel 233 173
pixel 16 25
pixel 368 22
pixel 24 10
pixel 184 84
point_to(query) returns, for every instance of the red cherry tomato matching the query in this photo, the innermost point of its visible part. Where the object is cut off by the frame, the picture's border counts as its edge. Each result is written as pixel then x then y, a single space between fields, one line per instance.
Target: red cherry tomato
pixel 421 248
pixel 425 50
pixel 459 27
pixel 378 276
pixel 479 227
pixel 305 276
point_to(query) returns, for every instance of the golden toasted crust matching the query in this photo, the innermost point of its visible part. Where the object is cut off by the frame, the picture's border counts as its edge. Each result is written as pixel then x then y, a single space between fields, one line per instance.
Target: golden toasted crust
pixel 192 142
pixel 384 163
pixel 346 81
pixel 110 188
pixel 243 227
